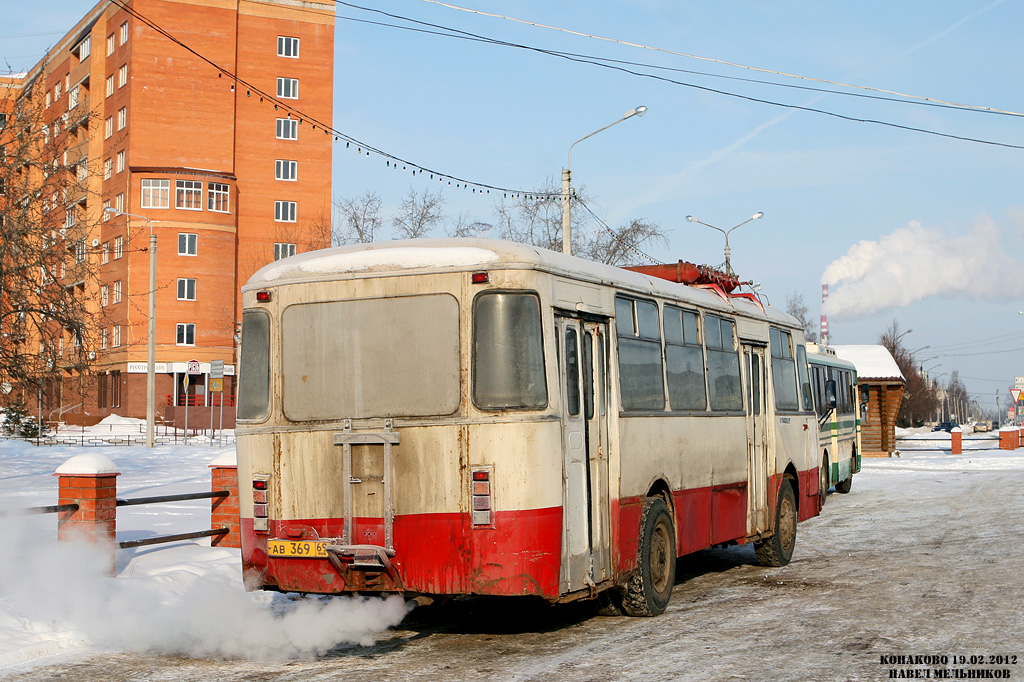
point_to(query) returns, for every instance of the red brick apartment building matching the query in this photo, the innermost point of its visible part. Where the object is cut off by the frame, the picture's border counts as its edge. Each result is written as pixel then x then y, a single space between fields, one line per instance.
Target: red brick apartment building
pixel 227 179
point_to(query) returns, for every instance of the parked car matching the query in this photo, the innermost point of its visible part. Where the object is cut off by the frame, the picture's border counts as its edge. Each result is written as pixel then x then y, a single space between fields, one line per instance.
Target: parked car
pixel 980 427
pixel 945 426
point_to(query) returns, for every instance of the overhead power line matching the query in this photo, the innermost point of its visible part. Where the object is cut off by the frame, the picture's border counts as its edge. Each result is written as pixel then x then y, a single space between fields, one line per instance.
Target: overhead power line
pixel 716 61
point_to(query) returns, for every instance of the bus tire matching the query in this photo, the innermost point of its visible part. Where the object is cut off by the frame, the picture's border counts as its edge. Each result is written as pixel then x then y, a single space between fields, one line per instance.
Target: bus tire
pixel 649 588
pixel 844 486
pixel 777 550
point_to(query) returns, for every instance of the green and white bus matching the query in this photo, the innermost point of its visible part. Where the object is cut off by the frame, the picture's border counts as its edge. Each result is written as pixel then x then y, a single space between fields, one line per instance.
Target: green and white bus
pixel 834 384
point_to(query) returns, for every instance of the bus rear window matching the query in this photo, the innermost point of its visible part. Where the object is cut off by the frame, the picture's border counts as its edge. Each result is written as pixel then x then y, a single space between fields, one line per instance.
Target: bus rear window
pixel 508 352
pixel 387 357
pixel 254 367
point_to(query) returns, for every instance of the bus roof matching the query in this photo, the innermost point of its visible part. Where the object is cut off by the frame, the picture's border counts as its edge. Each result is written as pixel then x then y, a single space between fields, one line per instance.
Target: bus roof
pixel 417 256
pixel 826 355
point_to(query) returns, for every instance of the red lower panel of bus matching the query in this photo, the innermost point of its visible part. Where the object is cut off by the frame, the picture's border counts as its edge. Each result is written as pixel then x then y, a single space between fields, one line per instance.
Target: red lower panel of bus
pixel 436 554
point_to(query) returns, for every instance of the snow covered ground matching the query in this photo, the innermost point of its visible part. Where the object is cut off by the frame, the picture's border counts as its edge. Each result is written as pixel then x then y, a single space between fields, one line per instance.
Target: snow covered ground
pixel 186 598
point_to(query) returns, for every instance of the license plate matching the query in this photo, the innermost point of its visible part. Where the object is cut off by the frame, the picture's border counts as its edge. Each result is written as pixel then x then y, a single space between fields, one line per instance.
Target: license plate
pixel 297 548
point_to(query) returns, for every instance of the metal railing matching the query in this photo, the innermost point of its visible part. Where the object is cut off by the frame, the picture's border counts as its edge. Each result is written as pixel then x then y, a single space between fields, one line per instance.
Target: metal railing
pixel 177 536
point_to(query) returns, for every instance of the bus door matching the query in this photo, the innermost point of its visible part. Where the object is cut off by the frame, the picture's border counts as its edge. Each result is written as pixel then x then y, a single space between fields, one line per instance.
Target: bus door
pixel 758 473
pixel 586 537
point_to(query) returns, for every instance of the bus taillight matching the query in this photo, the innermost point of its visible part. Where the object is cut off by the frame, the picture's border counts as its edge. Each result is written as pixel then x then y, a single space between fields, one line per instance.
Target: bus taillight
pixel 260 521
pixel 481 496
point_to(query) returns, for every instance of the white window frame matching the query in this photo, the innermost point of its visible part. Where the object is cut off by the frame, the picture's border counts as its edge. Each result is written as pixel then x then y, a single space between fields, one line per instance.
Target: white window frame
pixel 124 33
pixel 104 295
pixel 105 252
pixel 287 128
pixel 122 76
pixel 120 161
pixel 218 197
pixel 286 211
pixel 108 127
pixel 156 193
pixel 119 202
pixel 285 169
pixel 108 171
pixel 103 339
pixel 85 48
pixel 110 44
pixel 122 118
pixel 110 85
pixel 118 247
pixel 191 244
pixel 182 333
pixel 116 297
pixel 288 88
pixel 288 46
pixel 188 195
pixel 73 97
pixel 186 289
pixel 106 217
pixel 283 250
pixel 115 341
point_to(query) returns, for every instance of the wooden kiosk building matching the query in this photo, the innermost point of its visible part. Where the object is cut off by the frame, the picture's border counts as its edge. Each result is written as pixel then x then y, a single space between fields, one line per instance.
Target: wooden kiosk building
pixel 881 382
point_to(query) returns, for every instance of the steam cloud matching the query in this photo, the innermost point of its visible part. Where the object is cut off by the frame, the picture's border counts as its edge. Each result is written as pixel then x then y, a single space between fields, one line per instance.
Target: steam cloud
pixel 913 263
pixel 61 592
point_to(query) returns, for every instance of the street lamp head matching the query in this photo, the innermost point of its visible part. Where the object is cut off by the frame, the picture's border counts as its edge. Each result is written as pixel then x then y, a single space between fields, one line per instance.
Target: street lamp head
pixel 640 110
pixel 691 219
pixel 111 209
pixel 759 214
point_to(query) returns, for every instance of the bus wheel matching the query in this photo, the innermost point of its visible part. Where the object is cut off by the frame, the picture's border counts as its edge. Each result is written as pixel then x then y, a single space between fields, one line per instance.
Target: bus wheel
pixel 844 486
pixel 778 549
pixel 650 587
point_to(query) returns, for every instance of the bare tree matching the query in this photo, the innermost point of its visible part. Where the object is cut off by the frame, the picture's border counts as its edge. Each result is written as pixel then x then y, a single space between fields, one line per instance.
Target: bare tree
pixel 47 268
pixel 464 226
pixel 419 214
pixel 919 395
pixel 796 307
pixel 358 220
pixel 619 246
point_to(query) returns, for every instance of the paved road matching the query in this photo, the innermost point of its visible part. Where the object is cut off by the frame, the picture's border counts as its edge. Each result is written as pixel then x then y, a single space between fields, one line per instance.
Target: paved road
pixel 909 564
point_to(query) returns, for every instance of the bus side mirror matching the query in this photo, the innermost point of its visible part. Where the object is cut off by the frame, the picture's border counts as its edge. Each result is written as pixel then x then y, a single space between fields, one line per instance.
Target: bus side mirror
pixel 830 394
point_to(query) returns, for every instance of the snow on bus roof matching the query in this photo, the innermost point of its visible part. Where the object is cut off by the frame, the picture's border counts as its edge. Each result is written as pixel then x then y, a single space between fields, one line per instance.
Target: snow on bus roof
pixel 469 254
pixel 871 361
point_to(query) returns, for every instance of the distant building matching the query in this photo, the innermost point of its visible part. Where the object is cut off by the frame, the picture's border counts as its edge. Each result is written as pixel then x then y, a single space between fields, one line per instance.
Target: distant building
pixel 227 179
pixel 881 386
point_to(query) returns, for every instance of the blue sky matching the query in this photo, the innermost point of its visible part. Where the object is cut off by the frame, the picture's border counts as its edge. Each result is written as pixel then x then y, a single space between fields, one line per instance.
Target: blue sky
pixel 942 218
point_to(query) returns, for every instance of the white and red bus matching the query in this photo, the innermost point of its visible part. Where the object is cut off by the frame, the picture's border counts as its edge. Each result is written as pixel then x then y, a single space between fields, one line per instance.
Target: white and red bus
pixel 480 417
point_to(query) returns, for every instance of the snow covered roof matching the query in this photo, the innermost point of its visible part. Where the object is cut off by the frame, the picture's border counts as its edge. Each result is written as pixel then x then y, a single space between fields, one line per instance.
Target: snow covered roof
pixel 871 361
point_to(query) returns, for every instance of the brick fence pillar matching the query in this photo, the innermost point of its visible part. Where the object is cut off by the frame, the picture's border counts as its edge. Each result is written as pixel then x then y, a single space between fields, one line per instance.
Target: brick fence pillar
pixel 90 481
pixel 957 436
pixel 1009 438
pixel 224 510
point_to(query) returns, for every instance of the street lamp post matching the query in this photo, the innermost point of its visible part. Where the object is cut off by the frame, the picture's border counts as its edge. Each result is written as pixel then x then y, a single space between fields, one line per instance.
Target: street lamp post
pixel 728 253
pixel 151 345
pixel 567 180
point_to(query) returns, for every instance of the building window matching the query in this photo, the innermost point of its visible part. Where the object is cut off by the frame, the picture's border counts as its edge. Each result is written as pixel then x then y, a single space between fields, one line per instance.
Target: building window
pixel 284 211
pixel 106 217
pixel 120 161
pixel 103 344
pixel 85 48
pixel 187 244
pixel 104 295
pixel 108 170
pixel 218 196
pixel 186 335
pixel 287 47
pixel 186 289
pixel 156 193
pixel 118 247
pixel 73 98
pixel 124 33
pixel 57 90
pixel 108 128
pixel 188 195
pixel 122 76
pixel 115 335
pixel 110 85
pixel 49 99
pixel 287 129
pixel 288 88
pixel 283 250
pixel 110 44
pixel 119 203
pixel 122 118
pixel 117 291
pixel 105 252
pixel 286 170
